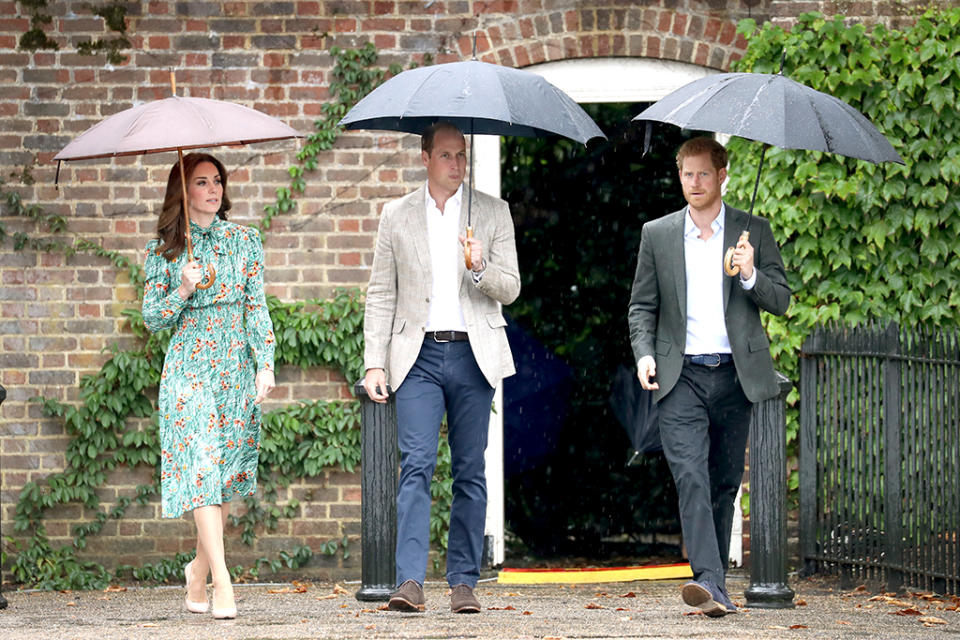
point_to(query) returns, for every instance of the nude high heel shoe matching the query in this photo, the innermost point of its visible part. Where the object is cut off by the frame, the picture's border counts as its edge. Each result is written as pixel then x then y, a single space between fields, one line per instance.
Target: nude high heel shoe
pixel 227 613
pixel 192 607
pixel 223 613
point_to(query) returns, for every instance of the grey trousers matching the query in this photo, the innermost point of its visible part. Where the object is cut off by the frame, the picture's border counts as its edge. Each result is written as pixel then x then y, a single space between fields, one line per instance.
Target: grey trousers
pixel 704 424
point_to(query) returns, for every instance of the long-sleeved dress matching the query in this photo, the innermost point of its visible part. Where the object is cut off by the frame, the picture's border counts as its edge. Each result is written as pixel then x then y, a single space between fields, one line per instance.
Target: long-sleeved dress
pixel 209 426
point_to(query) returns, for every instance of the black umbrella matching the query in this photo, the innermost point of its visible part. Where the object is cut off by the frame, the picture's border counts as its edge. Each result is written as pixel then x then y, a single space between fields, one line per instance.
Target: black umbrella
pixel 476 97
pixel 775 110
pixel 636 410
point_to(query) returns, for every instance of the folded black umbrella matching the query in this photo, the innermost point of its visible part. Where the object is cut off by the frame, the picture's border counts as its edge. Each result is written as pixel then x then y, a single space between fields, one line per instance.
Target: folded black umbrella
pixel 636 410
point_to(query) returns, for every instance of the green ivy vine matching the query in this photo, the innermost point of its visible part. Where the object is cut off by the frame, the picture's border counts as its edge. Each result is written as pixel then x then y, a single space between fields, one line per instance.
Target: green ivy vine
pixel 353 76
pixel 114 16
pixel 115 422
pixel 862 241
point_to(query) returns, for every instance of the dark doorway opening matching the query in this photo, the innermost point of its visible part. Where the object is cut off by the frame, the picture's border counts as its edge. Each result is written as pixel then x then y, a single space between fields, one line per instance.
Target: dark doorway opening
pixel 570 496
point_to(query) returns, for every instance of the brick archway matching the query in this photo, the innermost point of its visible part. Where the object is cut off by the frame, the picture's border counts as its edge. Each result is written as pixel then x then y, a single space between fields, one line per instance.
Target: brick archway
pixel 682 34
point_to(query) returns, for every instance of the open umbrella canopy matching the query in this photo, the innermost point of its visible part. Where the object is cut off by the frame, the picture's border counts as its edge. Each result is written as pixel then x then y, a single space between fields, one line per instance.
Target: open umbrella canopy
pixel 774 109
pixel 173 124
pixel 477 97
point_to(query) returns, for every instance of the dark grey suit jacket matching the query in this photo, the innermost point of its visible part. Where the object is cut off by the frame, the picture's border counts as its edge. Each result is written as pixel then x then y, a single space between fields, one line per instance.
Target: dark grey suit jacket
pixel 658 304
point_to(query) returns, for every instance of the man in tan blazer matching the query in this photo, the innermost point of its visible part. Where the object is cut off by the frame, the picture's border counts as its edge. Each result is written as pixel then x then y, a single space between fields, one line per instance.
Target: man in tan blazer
pixel 701 348
pixel 434 332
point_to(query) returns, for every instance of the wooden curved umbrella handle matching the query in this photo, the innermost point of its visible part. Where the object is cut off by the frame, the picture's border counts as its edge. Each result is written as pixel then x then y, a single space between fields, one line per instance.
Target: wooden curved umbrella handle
pixel 728 267
pixel 466 250
pixel 210 279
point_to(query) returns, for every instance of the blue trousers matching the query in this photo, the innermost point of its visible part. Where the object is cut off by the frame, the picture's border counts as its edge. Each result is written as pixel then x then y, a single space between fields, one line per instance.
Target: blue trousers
pixel 444 379
pixel 704 424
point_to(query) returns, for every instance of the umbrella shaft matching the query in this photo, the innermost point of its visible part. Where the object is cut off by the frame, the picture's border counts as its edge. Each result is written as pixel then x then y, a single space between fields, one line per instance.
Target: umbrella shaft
pixel 756 183
pixel 183 196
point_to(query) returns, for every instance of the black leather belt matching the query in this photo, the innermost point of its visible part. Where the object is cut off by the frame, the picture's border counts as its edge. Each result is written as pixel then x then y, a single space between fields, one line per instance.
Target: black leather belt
pixel 709 359
pixel 446 336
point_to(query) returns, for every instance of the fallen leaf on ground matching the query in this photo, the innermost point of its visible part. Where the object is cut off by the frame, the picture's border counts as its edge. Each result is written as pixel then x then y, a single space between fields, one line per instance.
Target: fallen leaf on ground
pixel 150 624
pixel 799 626
pixel 337 591
pixel 906 612
pixel 594 605
pixel 621 609
pixel 844 622
pixel 929 597
pixel 296 588
pixel 629 594
pixel 509 607
pixel 601 594
pixel 368 610
pixel 931 620
pixel 528 613
pixel 512 594
pixel 114 588
pixel 370 626
pixel 800 602
pixel 693 613
pixel 383 607
pixel 71 604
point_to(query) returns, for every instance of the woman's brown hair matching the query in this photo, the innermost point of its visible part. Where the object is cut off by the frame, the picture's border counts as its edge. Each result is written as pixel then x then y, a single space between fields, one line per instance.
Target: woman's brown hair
pixel 171 228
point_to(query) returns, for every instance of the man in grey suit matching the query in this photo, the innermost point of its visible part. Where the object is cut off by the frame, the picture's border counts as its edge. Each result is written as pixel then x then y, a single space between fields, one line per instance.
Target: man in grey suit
pixel 434 332
pixel 701 348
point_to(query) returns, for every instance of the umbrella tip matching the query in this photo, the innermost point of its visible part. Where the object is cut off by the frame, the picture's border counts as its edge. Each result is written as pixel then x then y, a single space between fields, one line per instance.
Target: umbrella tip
pixel 783 58
pixel 173 82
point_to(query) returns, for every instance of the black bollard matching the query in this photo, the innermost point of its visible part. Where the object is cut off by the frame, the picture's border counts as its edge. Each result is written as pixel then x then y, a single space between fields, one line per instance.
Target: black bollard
pixel 379 463
pixel 3 601
pixel 768 504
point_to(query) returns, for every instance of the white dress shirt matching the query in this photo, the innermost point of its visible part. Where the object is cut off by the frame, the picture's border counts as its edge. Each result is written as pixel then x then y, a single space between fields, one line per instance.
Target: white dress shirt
pixel 703 259
pixel 443 230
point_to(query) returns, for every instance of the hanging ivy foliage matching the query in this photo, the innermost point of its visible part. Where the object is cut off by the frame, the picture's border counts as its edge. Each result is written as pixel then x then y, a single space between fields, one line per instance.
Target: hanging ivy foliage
pixel 862 241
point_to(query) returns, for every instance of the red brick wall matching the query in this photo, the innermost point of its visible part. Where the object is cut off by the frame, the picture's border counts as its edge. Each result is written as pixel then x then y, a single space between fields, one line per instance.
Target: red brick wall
pixel 57 314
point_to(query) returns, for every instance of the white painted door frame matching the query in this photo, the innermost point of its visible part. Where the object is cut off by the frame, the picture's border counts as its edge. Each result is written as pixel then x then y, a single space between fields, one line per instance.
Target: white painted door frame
pixel 584 80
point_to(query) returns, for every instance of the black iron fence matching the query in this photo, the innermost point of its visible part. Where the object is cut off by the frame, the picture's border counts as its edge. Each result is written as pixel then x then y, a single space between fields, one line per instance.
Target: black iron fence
pixel 880 456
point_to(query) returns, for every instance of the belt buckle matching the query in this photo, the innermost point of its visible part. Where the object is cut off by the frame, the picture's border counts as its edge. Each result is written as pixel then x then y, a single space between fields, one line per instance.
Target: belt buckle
pixel 711 355
pixel 436 339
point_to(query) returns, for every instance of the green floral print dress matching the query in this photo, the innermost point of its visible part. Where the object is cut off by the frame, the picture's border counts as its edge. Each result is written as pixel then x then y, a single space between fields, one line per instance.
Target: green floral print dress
pixel 222 336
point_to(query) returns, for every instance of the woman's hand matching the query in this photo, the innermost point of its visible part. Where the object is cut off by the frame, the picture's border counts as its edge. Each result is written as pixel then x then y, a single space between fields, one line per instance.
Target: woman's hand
pixel 265 383
pixel 190 276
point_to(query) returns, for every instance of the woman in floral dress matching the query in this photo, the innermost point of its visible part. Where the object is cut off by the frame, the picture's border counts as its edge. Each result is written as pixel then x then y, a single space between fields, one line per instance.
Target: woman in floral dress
pixel 218 367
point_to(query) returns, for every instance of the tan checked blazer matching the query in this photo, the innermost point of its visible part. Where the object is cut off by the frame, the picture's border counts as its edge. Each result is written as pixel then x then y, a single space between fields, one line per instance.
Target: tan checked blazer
pixel 398 296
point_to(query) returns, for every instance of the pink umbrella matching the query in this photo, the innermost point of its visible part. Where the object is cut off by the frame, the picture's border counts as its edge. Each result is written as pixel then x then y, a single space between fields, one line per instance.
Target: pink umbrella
pixel 175 124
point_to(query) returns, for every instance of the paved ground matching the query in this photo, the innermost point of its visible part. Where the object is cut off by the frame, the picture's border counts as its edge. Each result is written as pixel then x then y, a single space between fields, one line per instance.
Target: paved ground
pixel 612 610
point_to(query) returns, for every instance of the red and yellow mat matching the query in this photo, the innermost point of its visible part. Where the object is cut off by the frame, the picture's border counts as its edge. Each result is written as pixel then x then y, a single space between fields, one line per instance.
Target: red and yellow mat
pixel 595 574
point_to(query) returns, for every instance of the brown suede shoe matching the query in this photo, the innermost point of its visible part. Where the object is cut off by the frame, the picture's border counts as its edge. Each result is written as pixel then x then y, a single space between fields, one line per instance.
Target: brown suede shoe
pixel 462 600
pixel 409 597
